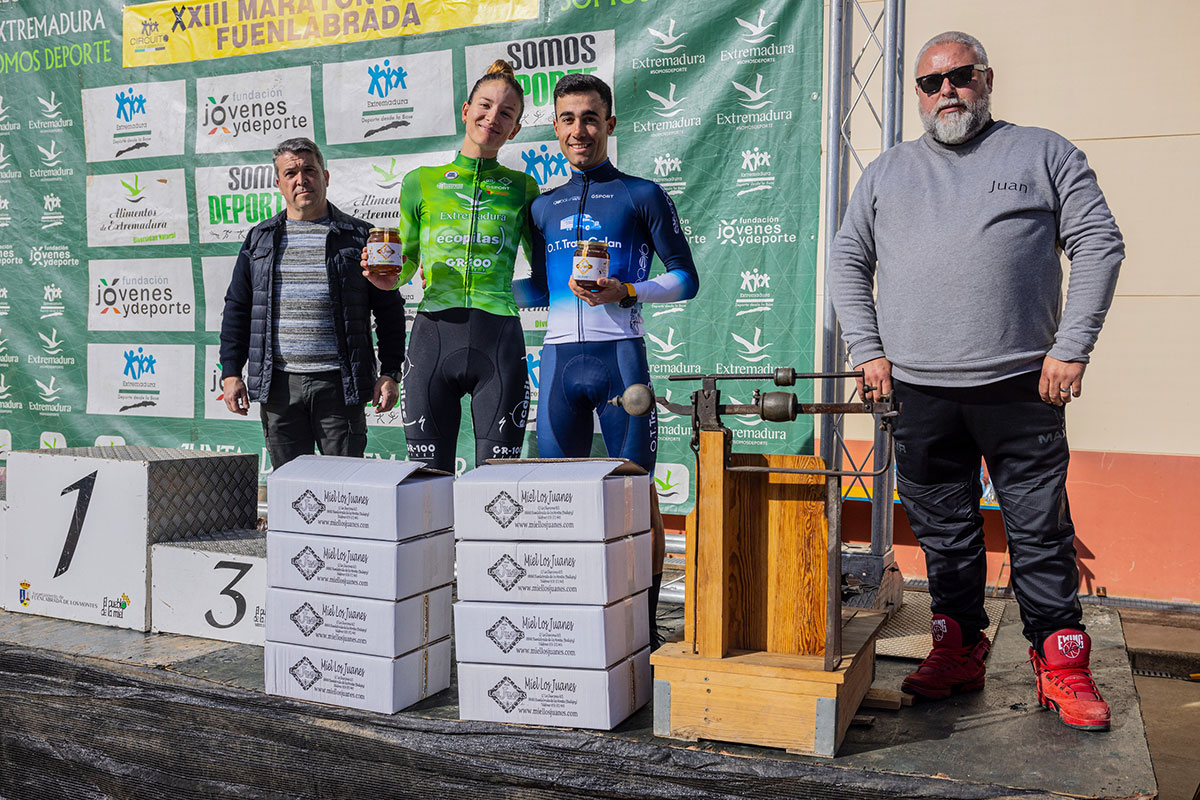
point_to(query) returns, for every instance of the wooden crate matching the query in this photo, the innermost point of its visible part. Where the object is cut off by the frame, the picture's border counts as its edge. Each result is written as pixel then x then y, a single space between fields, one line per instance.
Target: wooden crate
pixel 764 698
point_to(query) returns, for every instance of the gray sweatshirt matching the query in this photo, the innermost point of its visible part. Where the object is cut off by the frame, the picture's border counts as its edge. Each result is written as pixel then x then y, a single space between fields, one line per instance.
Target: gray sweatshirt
pixel 964 244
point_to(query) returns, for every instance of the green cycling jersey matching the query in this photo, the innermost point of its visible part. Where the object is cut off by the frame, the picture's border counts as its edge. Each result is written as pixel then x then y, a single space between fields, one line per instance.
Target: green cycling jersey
pixel 462 223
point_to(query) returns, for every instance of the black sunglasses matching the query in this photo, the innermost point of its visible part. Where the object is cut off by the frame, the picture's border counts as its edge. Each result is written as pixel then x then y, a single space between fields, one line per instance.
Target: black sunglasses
pixel 959 77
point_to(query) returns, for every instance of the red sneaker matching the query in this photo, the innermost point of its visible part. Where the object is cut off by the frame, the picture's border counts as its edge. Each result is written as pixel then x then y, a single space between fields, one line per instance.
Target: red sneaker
pixel 949 668
pixel 1064 682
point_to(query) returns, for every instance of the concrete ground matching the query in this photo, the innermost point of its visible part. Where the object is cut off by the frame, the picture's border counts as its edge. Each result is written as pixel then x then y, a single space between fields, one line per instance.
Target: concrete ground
pixel 1168 644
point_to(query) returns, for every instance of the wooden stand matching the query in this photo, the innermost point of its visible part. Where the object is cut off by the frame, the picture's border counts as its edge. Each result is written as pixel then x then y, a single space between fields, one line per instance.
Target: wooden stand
pixel 768 657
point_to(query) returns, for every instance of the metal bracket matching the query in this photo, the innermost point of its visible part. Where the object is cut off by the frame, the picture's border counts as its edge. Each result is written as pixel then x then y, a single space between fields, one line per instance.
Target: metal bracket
pixel 662 708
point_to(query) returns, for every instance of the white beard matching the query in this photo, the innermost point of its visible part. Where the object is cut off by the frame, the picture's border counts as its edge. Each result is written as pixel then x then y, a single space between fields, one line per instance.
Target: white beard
pixel 959 127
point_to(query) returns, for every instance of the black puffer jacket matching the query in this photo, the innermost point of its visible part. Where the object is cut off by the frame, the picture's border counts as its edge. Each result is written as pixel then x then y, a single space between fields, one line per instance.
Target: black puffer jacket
pixel 247 324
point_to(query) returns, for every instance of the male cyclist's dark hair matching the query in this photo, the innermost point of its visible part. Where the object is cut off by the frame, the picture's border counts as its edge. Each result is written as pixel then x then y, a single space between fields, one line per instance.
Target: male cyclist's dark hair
pixel 500 70
pixel 580 83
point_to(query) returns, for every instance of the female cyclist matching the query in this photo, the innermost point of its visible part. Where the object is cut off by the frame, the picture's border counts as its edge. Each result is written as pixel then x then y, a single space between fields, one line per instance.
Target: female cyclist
pixel 461 223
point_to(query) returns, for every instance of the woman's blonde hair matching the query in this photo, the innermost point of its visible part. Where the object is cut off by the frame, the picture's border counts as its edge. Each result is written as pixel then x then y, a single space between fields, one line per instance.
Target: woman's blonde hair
pixel 500 70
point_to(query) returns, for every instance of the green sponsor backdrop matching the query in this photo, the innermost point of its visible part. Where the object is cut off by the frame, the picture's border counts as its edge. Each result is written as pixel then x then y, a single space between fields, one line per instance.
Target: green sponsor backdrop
pixel 124 195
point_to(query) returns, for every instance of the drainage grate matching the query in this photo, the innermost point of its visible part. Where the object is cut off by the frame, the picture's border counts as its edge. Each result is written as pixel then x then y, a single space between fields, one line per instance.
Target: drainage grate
pixel 907 633
pixel 1158 673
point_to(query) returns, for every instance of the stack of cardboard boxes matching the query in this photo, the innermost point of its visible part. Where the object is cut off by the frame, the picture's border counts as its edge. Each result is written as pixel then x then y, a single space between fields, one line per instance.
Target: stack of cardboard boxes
pixel 359 565
pixel 551 626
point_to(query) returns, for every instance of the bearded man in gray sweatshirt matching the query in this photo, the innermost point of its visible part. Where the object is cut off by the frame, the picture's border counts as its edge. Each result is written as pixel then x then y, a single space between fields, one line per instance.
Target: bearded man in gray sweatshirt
pixel 960 232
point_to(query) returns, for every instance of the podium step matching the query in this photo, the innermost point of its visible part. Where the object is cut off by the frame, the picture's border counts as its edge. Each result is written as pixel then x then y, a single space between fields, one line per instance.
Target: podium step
pixel 88 714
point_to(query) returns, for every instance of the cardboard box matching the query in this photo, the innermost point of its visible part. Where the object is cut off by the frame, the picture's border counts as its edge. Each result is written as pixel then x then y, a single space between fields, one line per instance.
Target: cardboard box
pixel 570 698
pixel 568 500
pixel 593 573
pixel 82 521
pixel 591 637
pixel 360 567
pixel 360 498
pixel 357 624
pixel 215 588
pixel 5 599
pixel 353 680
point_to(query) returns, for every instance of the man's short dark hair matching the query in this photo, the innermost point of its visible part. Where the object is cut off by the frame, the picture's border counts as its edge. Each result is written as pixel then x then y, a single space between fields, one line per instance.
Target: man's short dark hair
pixel 300 144
pixel 581 83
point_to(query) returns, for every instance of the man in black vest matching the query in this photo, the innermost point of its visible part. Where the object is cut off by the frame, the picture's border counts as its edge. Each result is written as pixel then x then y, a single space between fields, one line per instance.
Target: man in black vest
pixel 299 310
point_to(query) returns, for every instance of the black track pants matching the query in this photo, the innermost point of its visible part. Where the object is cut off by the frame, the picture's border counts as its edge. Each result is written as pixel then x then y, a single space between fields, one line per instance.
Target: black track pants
pixel 940 435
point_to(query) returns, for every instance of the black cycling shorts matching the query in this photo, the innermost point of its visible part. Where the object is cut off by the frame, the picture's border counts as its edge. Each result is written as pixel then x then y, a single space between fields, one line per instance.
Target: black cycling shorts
pixel 464 351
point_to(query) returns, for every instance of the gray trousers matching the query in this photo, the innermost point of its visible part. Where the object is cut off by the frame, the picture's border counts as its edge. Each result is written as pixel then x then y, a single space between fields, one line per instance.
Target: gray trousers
pixel 308 410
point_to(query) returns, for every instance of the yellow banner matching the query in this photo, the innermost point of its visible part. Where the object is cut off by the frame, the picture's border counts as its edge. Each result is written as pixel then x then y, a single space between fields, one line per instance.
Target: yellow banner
pixel 174 32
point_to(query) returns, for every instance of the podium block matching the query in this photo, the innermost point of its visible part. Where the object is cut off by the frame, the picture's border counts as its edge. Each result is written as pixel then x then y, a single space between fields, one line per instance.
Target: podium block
pixel 215 588
pixel 81 522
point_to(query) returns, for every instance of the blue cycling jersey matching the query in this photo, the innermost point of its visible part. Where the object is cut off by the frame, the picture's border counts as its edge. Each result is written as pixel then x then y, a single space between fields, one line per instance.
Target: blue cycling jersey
pixel 636 219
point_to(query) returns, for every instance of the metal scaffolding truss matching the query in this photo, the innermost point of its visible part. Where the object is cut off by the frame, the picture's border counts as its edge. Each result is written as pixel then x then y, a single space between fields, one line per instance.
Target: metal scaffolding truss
pixel 855 88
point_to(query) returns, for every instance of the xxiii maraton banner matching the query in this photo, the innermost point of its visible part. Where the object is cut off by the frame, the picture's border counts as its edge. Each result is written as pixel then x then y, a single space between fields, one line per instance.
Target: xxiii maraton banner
pixel 135 155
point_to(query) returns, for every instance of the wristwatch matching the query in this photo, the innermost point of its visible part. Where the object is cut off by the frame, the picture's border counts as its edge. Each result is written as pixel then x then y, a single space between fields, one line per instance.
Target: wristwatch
pixel 629 299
